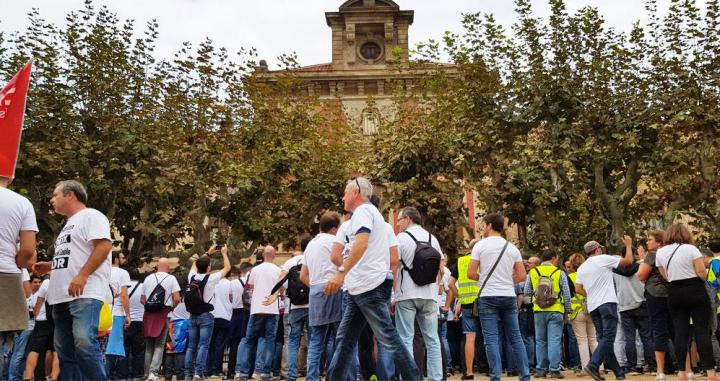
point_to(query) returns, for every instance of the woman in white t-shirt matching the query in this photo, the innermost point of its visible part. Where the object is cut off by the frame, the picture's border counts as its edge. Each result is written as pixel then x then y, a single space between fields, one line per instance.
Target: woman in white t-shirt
pixel 681 263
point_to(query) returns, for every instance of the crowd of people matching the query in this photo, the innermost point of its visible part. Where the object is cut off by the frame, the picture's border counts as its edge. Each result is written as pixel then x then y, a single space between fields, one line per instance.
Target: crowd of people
pixel 358 301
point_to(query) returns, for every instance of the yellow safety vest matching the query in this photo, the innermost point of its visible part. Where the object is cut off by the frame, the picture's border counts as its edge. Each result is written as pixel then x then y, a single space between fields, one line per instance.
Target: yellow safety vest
pixel 713 280
pixel 468 289
pixel 547 271
pixel 578 302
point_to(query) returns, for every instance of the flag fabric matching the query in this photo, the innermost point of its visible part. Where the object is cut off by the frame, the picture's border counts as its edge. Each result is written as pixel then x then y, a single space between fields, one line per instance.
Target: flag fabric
pixel 12 111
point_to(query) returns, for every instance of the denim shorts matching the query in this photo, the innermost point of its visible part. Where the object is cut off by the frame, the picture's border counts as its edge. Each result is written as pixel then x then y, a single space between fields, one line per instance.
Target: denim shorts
pixel 470 324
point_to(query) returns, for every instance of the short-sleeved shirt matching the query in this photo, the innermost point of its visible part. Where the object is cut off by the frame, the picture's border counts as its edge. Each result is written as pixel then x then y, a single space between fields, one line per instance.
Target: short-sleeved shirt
pixel 681 266
pixel 407 289
pixel 222 305
pixel 167 281
pixel 342 237
pixel 374 266
pixel 119 278
pixel 16 215
pixel 179 312
pixel 290 263
pixel 137 309
pixel 655 284
pixel 42 293
pixel 317 259
pixel 263 278
pixel 73 248
pixel 209 289
pixel 236 291
pixel 596 277
pixel 501 281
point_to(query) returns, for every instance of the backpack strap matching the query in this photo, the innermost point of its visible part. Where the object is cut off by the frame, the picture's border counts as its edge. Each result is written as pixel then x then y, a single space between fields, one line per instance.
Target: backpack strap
pixel 160 284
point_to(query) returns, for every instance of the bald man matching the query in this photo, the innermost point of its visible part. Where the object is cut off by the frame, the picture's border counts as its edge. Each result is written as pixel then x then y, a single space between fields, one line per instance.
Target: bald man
pixel 155 321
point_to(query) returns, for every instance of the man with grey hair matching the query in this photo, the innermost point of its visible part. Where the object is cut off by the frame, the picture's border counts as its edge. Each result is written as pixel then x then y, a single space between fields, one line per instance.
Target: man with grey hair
pixel 80 282
pixel 365 275
pixel 418 302
pixel 17 224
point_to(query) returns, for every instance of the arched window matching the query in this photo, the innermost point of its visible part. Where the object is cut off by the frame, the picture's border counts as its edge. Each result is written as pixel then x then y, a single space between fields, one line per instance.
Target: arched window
pixel 370 121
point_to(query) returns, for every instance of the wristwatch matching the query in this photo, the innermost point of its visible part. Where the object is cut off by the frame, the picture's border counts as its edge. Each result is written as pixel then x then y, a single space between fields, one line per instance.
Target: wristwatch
pixel 341 269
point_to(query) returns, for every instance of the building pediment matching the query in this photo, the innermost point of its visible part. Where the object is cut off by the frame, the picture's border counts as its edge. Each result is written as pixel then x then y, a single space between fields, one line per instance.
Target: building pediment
pixel 368 4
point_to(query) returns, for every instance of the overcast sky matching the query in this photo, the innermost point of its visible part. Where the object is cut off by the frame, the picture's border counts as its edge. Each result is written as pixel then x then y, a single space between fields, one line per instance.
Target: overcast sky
pixel 283 26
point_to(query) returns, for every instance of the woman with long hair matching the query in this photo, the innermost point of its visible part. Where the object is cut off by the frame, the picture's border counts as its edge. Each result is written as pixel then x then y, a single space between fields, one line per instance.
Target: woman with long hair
pixel 681 263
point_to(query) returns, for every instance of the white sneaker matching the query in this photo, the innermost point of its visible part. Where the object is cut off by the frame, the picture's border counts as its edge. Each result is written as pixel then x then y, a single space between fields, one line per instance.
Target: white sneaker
pixel 152 377
pixel 660 377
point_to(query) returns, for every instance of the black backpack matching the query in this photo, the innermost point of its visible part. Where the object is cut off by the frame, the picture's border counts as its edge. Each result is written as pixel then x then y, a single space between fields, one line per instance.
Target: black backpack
pixel 193 296
pixel 426 263
pixel 297 291
pixel 155 302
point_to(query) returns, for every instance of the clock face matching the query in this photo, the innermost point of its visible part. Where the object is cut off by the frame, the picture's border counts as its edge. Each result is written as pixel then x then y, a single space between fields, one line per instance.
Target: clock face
pixel 370 51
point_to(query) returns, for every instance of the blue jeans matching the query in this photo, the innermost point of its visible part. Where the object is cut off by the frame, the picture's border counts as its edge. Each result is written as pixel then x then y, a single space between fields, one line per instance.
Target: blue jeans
pixel 425 312
pixel 220 336
pixel 75 339
pixel 298 322
pixel 259 325
pixel 442 333
pixel 17 360
pixel 502 309
pixel 527 330
pixel 354 368
pixel 573 348
pixel 548 341
pixel 371 308
pixel 199 334
pixel 320 344
pixel 605 320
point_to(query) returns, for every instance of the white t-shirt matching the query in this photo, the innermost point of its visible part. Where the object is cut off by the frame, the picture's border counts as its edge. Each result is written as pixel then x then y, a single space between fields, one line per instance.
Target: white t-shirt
pixel 501 281
pixel 442 296
pixel 209 289
pixel 25 277
pixel 223 306
pixel 16 215
pixel 236 291
pixel 317 259
pixel 681 267
pixel 290 263
pixel 30 305
pixel 118 278
pixel 73 247
pixel 167 281
pixel 179 312
pixel 342 237
pixel 137 310
pixel 596 276
pixel 263 277
pixel 42 293
pixel 374 266
pixel 407 289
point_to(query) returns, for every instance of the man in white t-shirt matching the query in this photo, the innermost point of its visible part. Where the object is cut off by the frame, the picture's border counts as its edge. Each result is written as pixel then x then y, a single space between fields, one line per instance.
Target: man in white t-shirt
pixel 415 303
pixel 155 325
pixel 595 281
pixel 365 275
pixel 501 267
pixel 18 355
pixel 132 366
pixel 298 316
pixel 240 315
pixel 264 312
pixel 202 319
pixel 119 282
pixel 17 223
pixel 79 283
pixel 324 313
pixel 222 304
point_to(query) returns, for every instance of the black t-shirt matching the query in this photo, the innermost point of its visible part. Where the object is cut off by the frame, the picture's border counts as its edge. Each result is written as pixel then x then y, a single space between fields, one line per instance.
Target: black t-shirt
pixel 655 284
pixel 454 274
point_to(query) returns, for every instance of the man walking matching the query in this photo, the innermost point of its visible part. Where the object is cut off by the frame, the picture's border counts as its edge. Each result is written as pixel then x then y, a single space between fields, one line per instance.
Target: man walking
pixel 365 274
pixel 160 293
pixel 79 282
pixel 501 267
pixel 119 282
pixel 418 302
pixel 595 280
pixel 548 287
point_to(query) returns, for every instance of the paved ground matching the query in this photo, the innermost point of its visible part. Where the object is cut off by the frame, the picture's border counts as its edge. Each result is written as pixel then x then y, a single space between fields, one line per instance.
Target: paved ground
pixel 569 375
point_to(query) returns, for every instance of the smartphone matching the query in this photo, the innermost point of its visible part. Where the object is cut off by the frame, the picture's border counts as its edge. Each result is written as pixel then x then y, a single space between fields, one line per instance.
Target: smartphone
pixel 218 247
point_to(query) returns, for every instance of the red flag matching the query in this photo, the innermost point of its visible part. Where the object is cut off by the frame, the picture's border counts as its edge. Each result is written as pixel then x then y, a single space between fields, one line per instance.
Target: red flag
pixel 12 111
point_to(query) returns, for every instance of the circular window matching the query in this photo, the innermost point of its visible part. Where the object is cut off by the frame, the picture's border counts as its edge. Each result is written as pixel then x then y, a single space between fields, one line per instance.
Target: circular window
pixel 370 51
